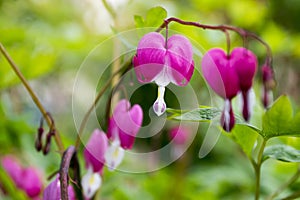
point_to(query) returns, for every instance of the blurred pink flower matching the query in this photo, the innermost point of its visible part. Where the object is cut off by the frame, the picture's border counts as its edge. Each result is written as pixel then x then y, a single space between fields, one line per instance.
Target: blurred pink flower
pixel 179 134
pixel 52 191
pixel 163 62
pixel 27 179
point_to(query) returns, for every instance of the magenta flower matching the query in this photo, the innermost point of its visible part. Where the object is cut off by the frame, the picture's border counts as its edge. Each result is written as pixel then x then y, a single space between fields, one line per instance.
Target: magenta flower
pixel 163 62
pixel 227 75
pixel 245 64
pixel 94 155
pixel 26 179
pixel 31 182
pixel 52 191
pixel 179 134
pixel 94 151
pixel 125 123
pixel 13 169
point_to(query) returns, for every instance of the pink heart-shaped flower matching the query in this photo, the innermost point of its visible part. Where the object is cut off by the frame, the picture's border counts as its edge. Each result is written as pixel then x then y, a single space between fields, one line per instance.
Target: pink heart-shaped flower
pixel 164 62
pixel 125 123
pixel 245 64
pixel 220 74
pixel 95 149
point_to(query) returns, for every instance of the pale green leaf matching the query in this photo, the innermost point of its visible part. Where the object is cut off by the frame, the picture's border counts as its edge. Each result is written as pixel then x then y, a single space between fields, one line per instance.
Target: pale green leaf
pixel 282 152
pixel 277 120
pixel 245 137
pixel 155 17
pixel 203 114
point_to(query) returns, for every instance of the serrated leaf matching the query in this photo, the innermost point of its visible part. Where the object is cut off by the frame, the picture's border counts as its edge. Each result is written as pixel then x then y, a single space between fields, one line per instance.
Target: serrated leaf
pixel 155 17
pixel 278 119
pixel 245 137
pixel 204 114
pixel 282 152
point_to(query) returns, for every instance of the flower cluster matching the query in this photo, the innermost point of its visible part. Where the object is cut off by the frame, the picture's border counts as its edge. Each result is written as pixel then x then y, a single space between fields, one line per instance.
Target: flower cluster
pixel 109 148
pixel 228 75
pixel 26 179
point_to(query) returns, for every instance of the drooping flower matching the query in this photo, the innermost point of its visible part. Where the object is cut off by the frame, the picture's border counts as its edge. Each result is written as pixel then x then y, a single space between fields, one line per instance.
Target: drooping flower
pixel 223 79
pixel 26 179
pixel 94 151
pixel 125 123
pixel 94 155
pixel 163 62
pixel 179 136
pixel 52 191
pixel 245 64
pixel 123 127
pixel 268 85
pixel 227 75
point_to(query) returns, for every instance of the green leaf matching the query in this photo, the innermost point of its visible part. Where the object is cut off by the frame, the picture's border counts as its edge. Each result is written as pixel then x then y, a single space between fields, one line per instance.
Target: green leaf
pixel 245 136
pixel 155 17
pixel 139 21
pixel 278 119
pixel 203 114
pixel 282 152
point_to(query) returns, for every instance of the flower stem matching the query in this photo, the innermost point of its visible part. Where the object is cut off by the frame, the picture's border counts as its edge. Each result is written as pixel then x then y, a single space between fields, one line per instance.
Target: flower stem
pixel 69 160
pixel 257 168
pixel 84 121
pixel 285 185
pixel 33 96
pixel 222 28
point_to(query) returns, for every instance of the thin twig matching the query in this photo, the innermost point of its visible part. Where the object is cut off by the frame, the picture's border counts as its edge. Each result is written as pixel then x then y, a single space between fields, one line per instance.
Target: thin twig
pixel 285 185
pixel 32 95
pixel 92 107
pixel 222 28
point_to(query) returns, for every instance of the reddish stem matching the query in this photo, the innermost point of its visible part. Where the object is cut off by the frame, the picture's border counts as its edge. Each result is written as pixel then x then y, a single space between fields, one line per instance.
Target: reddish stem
pixel 242 32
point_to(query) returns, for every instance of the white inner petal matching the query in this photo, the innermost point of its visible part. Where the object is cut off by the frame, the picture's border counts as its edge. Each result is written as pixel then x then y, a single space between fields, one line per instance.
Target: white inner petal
pixel 227 114
pixel 159 105
pixel 114 155
pixel 90 182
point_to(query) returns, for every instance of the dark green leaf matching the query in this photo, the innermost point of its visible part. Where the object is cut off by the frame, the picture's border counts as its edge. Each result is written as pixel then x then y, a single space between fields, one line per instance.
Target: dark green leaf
pixel 282 152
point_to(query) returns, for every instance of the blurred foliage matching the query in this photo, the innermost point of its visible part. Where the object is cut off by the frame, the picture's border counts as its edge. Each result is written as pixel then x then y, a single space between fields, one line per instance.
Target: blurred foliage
pixel 49 40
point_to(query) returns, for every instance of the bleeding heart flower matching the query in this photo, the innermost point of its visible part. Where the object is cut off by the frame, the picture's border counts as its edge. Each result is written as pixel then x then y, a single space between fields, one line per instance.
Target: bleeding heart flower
pixel 95 150
pixel 245 64
pixel 222 77
pixel 229 74
pixel 163 62
pixel 125 123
